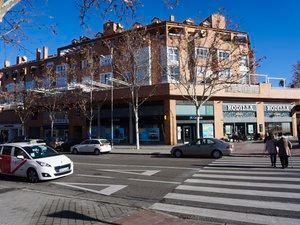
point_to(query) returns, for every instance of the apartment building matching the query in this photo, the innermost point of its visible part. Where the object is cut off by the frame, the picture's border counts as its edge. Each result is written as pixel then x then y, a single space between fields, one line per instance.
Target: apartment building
pixel 156 57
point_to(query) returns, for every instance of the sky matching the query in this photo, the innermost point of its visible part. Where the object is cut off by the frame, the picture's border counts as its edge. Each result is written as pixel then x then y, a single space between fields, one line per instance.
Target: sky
pixel 273 26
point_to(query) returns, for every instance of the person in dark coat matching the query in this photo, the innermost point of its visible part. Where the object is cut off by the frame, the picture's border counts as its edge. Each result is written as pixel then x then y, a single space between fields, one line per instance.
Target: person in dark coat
pixel 284 150
pixel 270 148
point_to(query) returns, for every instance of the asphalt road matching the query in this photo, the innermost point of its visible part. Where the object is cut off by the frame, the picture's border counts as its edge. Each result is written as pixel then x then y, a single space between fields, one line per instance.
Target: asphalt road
pixel 131 180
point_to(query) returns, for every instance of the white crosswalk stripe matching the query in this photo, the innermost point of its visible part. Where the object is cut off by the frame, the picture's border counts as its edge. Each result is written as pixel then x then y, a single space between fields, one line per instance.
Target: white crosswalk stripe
pixel 226 190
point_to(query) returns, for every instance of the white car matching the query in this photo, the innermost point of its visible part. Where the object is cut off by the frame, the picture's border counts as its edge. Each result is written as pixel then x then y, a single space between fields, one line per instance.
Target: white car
pixel 95 146
pixel 36 161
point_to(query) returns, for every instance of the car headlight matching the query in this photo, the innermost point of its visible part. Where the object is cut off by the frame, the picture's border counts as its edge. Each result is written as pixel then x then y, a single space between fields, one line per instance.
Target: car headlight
pixel 43 164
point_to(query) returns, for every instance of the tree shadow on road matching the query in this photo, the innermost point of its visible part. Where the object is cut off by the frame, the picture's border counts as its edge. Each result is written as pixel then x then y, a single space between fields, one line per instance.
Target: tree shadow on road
pixel 67 214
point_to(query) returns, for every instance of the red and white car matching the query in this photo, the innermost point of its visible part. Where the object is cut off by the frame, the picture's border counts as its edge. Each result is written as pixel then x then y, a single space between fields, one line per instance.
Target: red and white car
pixel 35 161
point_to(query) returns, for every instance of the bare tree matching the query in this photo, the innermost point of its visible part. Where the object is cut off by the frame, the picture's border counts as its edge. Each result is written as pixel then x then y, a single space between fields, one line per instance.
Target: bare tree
pixel 86 82
pixel 52 91
pixel 132 68
pixel 206 61
pixel 296 75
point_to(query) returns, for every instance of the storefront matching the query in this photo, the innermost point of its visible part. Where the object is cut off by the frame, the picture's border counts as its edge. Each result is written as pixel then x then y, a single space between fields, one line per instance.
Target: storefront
pixel 239 120
pixel 186 121
pixel 278 119
pixel 9 131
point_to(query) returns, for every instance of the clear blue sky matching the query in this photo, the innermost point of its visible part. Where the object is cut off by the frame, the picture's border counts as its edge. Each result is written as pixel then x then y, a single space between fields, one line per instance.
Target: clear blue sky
pixel 273 25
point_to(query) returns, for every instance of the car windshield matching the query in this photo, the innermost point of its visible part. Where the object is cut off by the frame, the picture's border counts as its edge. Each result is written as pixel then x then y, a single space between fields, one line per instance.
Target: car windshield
pixel 40 151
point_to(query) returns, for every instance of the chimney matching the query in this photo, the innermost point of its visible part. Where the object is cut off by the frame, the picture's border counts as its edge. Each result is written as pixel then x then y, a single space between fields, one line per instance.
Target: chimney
pixel 172 18
pixel 110 27
pixel 45 52
pixel 6 63
pixel 38 54
pixel 218 21
pixel 18 60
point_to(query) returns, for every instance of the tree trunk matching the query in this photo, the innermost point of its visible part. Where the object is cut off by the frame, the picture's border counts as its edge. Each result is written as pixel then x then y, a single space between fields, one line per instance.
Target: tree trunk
pixel 23 129
pixel 52 127
pixel 90 128
pixel 198 121
pixel 137 133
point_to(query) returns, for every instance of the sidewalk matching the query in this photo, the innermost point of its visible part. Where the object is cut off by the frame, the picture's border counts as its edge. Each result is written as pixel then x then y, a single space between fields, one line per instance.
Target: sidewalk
pixel 240 148
pixel 28 207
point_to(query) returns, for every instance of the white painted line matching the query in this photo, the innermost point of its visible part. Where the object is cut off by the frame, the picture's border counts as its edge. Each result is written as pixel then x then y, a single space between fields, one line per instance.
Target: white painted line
pixel 244 184
pixel 283 172
pixel 139 166
pixel 135 172
pixel 247 169
pixel 240 191
pixel 110 188
pixel 155 181
pixel 97 176
pixel 226 215
pixel 235 202
pixel 236 177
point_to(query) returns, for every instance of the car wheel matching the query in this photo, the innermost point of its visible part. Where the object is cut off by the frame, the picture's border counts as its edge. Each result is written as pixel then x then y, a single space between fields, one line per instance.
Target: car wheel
pixel 216 154
pixel 177 153
pixel 75 151
pixel 97 152
pixel 32 176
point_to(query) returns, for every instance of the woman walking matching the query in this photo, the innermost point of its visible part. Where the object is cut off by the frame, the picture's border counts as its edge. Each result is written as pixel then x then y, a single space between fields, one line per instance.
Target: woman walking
pixel 270 148
pixel 284 150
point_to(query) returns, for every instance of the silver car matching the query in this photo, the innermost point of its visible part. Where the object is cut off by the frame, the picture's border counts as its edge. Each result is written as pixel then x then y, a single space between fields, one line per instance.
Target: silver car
pixel 206 147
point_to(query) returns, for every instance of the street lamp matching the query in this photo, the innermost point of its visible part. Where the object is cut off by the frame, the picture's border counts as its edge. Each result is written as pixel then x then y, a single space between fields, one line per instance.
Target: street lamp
pixel 5 6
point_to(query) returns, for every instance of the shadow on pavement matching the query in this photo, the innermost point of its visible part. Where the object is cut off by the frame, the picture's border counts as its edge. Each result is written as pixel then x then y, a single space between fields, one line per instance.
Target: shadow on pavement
pixel 67 214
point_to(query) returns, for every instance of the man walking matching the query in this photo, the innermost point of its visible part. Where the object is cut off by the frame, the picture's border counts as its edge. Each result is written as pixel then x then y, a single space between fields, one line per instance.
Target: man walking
pixel 284 150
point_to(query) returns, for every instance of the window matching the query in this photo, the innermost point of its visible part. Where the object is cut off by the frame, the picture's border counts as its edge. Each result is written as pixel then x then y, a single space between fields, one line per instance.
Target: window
pixel 223 55
pixel 201 53
pixel 94 142
pixel 202 71
pixel 84 64
pixel 86 142
pixel 61 69
pixel 61 81
pixel 40 151
pixel 224 73
pixel 29 85
pixel 173 54
pixel 6 150
pixel 104 78
pixel 142 75
pixel 18 152
pixel 105 60
pixel 10 87
pixel 174 72
pixel 244 60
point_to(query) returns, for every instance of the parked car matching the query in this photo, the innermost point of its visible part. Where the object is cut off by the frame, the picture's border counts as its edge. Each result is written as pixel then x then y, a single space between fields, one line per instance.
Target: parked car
pixel 206 147
pixel 33 160
pixel 53 142
pixel 66 146
pixel 95 146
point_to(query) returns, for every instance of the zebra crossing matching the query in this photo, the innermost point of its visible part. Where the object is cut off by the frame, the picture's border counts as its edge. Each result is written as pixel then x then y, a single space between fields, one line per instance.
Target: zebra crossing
pixel 239 190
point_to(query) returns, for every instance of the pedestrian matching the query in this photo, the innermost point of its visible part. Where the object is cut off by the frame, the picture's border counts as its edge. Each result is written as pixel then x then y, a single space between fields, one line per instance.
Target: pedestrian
pixel 270 148
pixel 284 150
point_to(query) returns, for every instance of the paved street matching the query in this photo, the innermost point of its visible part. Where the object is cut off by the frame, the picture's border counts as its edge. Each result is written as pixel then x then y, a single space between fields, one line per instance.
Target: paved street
pixel 238 190
pixel 112 185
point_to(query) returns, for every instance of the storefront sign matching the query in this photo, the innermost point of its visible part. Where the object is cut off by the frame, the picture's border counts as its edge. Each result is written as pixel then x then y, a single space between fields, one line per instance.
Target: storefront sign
pixel 239 107
pixel 242 88
pixel 278 108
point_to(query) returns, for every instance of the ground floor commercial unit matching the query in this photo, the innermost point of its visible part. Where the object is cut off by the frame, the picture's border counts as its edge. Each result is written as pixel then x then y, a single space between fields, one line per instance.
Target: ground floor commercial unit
pixel 171 119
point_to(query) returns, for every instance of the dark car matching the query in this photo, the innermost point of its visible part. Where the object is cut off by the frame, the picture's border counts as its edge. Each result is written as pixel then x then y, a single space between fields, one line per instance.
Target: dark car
pixel 207 147
pixel 66 146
